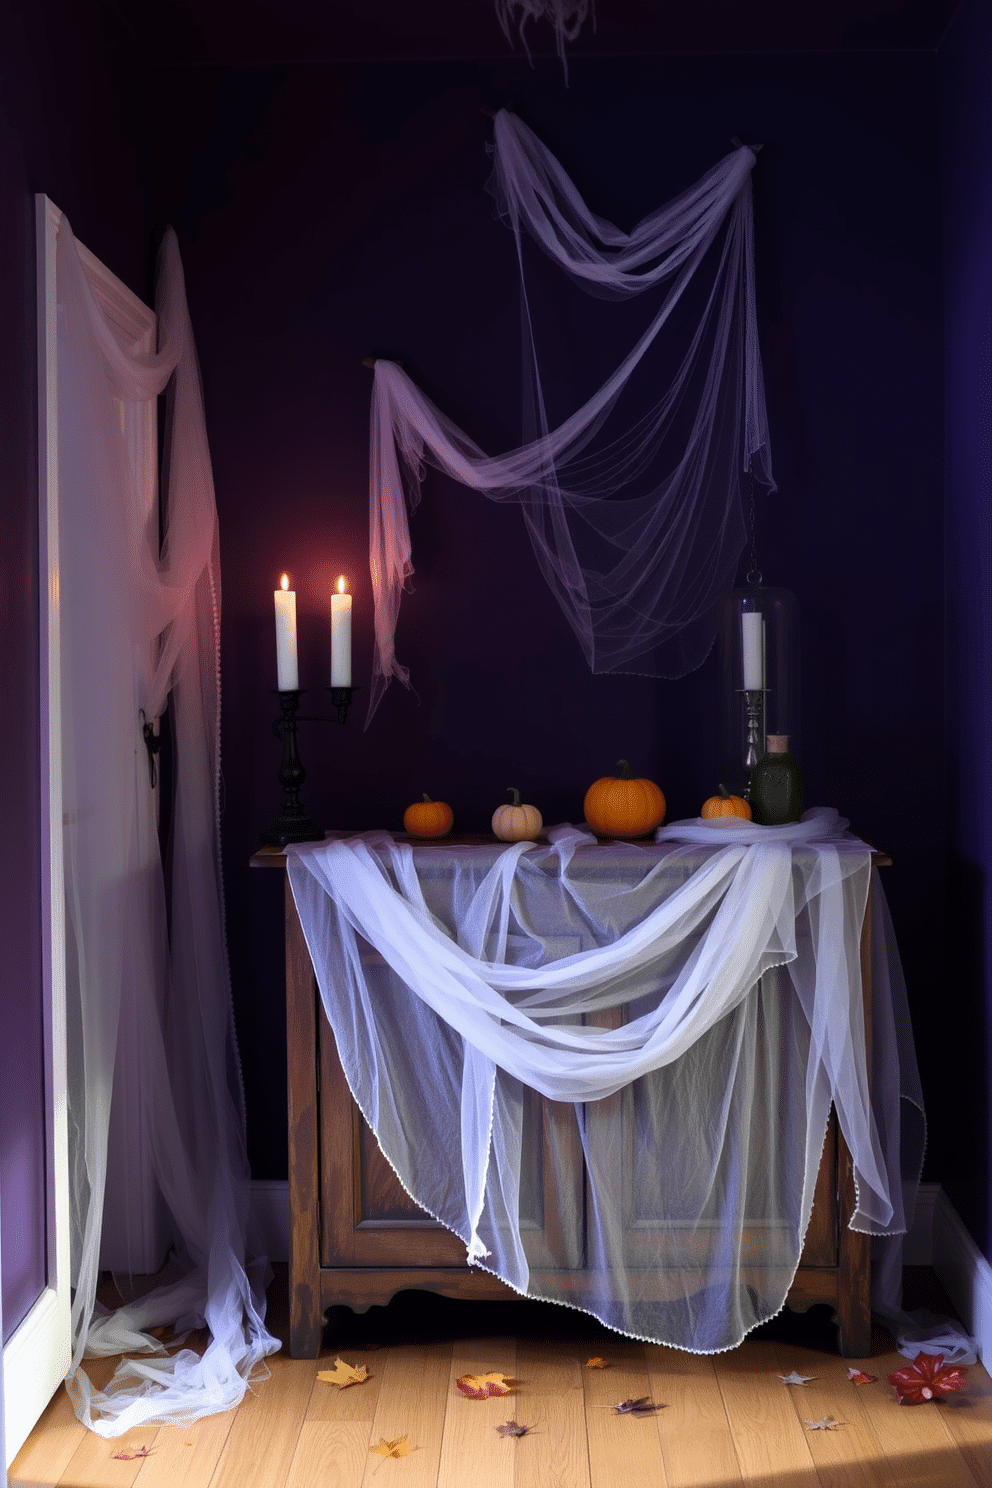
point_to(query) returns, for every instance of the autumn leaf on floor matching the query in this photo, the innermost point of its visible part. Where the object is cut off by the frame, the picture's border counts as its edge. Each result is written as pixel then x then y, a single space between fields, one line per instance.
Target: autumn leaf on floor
pixel 397 1448
pixel 858 1377
pixel 795 1378
pixel 512 1428
pixel 126 1455
pixel 597 1363
pixel 343 1374
pixel 641 1407
pixel 927 1378
pixel 481 1386
pixel 827 1424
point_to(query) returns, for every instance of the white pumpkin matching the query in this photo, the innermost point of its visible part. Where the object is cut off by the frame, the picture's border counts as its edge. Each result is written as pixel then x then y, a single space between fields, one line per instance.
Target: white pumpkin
pixel 516 823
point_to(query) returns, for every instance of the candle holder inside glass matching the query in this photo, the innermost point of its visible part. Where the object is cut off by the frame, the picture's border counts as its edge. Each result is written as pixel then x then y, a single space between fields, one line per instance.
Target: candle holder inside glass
pixel 758 657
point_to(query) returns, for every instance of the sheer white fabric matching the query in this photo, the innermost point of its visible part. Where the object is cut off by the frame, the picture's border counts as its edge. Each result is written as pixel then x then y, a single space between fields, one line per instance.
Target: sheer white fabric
pixel 633 501
pixel 567 17
pixel 609 1068
pixel 139 625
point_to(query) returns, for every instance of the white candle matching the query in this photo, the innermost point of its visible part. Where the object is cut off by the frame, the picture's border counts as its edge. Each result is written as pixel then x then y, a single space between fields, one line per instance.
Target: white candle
pixel 753 646
pixel 285 599
pixel 341 637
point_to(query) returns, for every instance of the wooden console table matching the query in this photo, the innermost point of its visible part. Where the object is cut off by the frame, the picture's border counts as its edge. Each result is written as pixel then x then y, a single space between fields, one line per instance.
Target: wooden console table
pixel 356 1237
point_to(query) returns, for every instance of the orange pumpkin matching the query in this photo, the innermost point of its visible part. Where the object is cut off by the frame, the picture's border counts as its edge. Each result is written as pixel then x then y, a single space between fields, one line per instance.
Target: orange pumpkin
pixel 726 805
pixel 428 818
pixel 619 806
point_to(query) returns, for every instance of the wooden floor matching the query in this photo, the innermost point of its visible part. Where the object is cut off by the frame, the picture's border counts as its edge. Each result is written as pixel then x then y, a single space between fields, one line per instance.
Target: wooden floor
pixel 726 1419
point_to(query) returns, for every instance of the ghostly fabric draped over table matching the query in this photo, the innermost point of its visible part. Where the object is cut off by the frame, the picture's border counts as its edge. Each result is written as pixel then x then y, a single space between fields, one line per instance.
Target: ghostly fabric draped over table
pixel 633 500
pixel 658 1038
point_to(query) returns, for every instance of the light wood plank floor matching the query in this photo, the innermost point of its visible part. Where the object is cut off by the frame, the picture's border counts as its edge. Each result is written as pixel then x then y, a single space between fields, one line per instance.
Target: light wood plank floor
pixel 726 1420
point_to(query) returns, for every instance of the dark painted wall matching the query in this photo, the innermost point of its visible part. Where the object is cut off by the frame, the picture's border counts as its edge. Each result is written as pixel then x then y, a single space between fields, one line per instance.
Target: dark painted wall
pixel 327 212
pixel 68 128
pixel 966 106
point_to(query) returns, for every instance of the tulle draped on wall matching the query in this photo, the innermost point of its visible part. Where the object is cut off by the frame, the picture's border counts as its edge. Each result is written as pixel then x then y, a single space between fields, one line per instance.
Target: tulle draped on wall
pixel 634 501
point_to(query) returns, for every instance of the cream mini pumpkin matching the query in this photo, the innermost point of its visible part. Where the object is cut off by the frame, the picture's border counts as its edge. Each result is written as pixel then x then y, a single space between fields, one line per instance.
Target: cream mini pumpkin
pixel 516 822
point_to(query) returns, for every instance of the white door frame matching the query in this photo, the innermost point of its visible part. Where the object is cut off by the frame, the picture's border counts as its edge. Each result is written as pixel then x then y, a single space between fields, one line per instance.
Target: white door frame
pixel 3 1450
pixel 36 1357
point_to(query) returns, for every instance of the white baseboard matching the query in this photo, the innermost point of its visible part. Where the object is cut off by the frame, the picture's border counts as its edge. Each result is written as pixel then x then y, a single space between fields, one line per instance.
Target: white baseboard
pixel 938 1238
pixel 964 1273
pixel 270 1213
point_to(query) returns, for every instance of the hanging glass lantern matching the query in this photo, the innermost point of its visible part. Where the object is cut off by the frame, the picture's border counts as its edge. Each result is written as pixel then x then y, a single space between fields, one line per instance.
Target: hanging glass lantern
pixel 758 648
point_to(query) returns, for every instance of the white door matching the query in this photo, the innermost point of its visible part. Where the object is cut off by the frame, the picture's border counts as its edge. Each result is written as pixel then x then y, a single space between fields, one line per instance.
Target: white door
pixel 36 1357
pixel 3 1450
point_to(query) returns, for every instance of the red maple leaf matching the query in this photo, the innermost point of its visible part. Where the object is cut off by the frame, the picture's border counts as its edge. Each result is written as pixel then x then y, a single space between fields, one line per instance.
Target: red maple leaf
pixel 927 1378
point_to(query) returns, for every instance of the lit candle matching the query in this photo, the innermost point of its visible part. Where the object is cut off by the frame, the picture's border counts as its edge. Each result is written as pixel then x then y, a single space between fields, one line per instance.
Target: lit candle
pixel 341 637
pixel 753 646
pixel 285 599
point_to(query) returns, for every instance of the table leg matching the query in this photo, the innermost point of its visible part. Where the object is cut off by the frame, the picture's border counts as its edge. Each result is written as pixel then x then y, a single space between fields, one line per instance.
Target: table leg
pixel 305 1311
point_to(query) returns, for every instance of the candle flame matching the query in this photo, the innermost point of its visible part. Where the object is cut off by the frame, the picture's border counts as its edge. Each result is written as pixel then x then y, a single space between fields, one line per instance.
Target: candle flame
pixel 284 581
pixel 342 584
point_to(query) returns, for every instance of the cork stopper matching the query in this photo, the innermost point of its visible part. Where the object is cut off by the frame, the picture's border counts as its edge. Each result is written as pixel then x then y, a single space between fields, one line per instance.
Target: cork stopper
pixel 777 743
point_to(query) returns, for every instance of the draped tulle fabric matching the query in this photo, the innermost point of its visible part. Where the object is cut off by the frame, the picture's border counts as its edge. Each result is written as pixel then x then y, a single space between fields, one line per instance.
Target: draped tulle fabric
pixel 633 501
pixel 140 626
pixel 609 1069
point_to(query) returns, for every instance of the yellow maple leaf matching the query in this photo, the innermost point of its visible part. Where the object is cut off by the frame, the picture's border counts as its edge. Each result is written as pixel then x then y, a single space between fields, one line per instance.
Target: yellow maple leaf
pixel 597 1363
pixel 397 1448
pixel 343 1374
pixel 481 1386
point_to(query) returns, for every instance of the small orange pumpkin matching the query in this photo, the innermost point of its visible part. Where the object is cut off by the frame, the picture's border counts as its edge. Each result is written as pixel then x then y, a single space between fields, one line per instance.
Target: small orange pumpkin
pixel 726 805
pixel 621 806
pixel 428 818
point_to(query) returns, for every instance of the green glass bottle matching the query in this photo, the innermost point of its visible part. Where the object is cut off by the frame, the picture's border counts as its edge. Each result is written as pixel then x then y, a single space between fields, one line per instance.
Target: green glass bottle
pixel 776 794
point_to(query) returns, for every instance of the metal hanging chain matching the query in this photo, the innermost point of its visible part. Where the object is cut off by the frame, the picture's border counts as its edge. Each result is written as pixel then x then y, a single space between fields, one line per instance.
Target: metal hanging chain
pixel 754 574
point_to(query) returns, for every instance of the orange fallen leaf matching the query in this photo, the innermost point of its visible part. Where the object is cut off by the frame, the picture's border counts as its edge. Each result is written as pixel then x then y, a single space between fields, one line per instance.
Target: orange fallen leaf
pixel 344 1374
pixel 597 1363
pixel 859 1377
pixel 481 1386
pixel 396 1448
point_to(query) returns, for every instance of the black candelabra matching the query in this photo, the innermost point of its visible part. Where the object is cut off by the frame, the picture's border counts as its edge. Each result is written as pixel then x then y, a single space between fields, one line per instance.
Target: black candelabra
pixel 293 824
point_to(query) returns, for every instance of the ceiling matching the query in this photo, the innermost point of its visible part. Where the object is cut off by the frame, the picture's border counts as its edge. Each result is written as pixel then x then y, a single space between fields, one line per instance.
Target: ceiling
pixel 235 32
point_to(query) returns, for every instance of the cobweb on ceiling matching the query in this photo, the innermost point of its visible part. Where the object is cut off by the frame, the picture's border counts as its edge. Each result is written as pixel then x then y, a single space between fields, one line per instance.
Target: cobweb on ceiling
pixel 567 16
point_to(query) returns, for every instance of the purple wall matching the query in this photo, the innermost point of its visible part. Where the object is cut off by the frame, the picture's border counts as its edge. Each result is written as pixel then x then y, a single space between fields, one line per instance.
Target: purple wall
pixel 325 212
pixel 966 117
pixel 66 128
